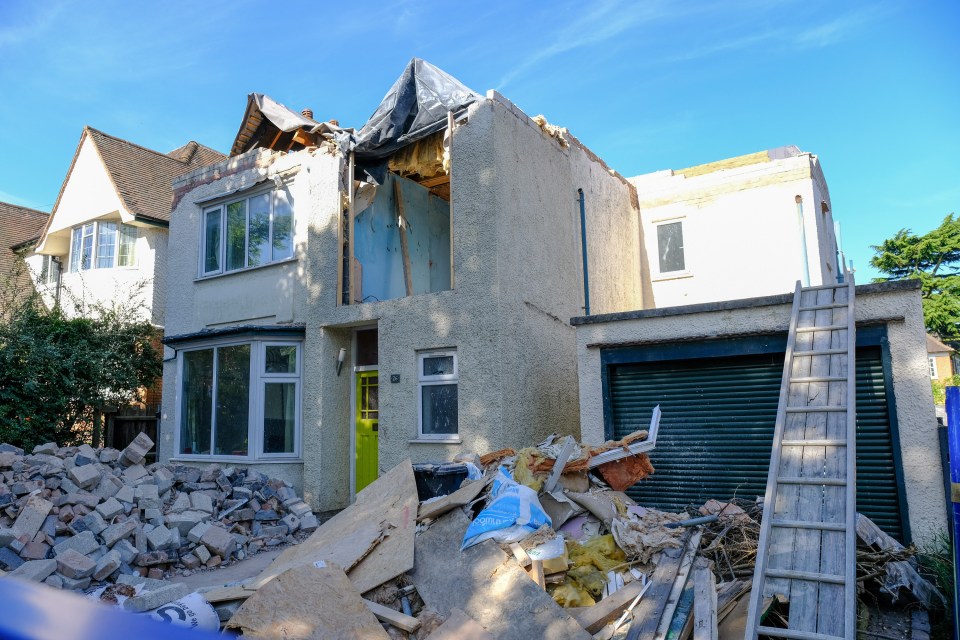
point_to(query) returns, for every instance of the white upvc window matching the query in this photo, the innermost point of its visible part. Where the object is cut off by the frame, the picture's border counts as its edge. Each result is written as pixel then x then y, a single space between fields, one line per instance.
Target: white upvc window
pixel 240 400
pixel 102 245
pixel 932 362
pixel 437 377
pixel 49 270
pixel 246 232
pixel 671 258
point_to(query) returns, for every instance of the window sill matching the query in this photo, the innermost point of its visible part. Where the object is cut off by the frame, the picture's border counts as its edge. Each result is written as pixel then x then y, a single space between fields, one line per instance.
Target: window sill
pixel 214 276
pixel 452 440
pixel 673 275
pixel 236 460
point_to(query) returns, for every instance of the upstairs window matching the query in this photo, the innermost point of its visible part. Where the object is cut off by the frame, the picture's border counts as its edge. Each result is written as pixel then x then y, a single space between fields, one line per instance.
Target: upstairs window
pixel 670 247
pixel 247 232
pixel 102 245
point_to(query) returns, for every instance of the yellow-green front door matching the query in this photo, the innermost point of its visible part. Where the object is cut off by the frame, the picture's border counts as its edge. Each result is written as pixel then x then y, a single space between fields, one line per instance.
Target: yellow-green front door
pixel 367 419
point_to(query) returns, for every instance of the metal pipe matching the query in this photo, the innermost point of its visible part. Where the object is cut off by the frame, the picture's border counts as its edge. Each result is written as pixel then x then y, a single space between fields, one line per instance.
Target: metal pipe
pixel 692 522
pixel 583 244
pixel 803 242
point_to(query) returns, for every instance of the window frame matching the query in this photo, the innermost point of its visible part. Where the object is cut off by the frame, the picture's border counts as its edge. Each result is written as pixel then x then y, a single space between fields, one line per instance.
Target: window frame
pixel 94 225
pixel 50 269
pixel 679 273
pixel 257 380
pixel 434 381
pixel 223 204
pixel 932 364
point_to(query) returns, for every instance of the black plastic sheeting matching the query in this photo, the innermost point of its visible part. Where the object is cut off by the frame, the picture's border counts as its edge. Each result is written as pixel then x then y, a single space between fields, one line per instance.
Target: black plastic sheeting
pixel 415 107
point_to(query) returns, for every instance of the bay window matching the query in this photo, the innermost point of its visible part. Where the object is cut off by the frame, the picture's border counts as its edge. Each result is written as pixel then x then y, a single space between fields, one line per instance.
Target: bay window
pixel 102 245
pixel 247 232
pixel 240 399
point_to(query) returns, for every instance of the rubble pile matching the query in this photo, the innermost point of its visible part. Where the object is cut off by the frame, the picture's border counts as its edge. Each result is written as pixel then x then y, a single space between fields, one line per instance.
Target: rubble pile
pixel 72 516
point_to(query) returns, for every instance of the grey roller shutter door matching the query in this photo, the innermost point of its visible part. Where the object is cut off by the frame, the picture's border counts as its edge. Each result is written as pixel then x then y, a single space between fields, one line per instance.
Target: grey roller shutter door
pixel 717 429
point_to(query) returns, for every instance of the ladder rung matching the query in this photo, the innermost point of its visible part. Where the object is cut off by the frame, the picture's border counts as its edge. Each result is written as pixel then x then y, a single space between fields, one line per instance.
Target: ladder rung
pixel 790 634
pixel 806 524
pixel 813 409
pixel 807 576
pixel 819 379
pixel 817 307
pixel 813 443
pixel 822 287
pixel 828 327
pixel 821 352
pixel 832 482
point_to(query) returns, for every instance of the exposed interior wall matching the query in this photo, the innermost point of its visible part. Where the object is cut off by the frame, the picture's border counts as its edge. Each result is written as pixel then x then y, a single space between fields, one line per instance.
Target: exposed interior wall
pixel 740 230
pixel 897 306
pixel 378 247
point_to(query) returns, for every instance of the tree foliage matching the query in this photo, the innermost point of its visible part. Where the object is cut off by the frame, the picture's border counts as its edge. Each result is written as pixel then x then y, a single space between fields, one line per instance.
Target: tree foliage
pixel 57 371
pixel 934 260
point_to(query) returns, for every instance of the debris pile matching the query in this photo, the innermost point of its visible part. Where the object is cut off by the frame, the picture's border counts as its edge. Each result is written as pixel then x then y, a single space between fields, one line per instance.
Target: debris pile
pixel 72 516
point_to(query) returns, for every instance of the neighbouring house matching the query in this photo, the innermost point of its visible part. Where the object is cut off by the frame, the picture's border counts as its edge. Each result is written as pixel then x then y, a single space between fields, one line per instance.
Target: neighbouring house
pixel 939 359
pixel 715 369
pixel 19 231
pixel 738 228
pixel 105 242
pixel 344 300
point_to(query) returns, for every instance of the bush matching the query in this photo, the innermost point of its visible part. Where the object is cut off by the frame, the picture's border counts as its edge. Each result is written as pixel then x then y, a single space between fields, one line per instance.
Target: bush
pixel 57 373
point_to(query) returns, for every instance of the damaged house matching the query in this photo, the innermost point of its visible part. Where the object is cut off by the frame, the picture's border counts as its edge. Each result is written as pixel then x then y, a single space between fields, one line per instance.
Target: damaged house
pixel 344 300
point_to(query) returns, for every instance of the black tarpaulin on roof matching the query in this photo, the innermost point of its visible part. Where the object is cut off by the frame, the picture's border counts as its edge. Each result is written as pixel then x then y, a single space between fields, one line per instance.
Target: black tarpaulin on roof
pixel 415 107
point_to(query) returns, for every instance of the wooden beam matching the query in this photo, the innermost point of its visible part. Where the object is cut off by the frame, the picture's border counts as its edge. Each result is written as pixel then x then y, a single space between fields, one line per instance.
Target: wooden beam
pixel 352 284
pixel 536 572
pixel 651 609
pixel 704 603
pixel 679 583
pixel 436 180
pixel 404 241
pixel 303 138
pixel 391 616
pixel 520 555
pixel 595 618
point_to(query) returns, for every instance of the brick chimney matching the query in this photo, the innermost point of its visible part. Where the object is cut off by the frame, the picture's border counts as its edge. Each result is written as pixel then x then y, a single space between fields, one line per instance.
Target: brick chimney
pixel 307 113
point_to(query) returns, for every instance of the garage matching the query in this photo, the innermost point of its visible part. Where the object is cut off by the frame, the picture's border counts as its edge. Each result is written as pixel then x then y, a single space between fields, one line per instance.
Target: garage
pixel 719 401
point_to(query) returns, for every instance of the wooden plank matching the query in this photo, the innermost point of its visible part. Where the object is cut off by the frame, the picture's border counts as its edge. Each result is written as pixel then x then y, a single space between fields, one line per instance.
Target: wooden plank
pixel 390 504
pixel 404 241
pixel 568 444
pixel 499 595
pixel 651 608
pixel 392 616
pixel 595 618
pixel 460 626
pixel 733 627
pixel 850 542
pixel 435 181
pixel 351 235
pixel 704 603
pixel 307 602
pixel 536 573
pixel 679 584
pixel 225 594
pixel 522 558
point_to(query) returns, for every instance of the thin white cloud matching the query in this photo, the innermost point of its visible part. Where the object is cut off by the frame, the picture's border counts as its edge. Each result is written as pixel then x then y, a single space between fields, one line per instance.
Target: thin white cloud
pixel 604 21
pixel 33 21
pixel 10 198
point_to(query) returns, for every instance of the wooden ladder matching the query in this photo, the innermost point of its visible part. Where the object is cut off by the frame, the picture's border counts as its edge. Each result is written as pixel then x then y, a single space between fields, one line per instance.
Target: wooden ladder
pixel 807 549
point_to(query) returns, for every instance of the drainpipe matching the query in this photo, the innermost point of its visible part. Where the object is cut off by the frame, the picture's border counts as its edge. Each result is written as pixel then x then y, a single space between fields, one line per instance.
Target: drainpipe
pixel 56 295
pixel 803 243
pixel 583 245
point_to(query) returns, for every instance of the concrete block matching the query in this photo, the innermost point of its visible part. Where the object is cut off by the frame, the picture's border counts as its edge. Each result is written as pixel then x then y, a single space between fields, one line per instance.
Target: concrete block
pixel 159 538
pixel 149 503
pixel 107 565
pixel 291 521
pixel 153 516
pixel 181 504
pixel 7 536
pixel 9 448
pixel 74 584
pixel 125 494
pixel 202 553
pixel 126 550
pixel 83 544
pixel 195 534
pixel 93 521
pixel 35 551
pixel 146 491
pixel 50 448
pixel 109 455
pixel 309 523
pixel 10 559
pixel 201 502
pixel 135 452
pixel 110 508
pixel 31 517
pixel 108 487
pixel 8 458
pixel 186 521
pixel 87 451
pixel 85 477
pixel 82 498
pixel 54 581
pixel 148 600
pixel 35 570
pixel 116 532
pixel 154 558
pixel 72 564
pixel 133 473
pixel 190 561
pixel 218 541
pixel 299 509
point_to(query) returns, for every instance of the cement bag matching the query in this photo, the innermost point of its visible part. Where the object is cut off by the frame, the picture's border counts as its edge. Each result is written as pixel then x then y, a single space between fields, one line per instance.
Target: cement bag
pixel 191 611
pixel 512 515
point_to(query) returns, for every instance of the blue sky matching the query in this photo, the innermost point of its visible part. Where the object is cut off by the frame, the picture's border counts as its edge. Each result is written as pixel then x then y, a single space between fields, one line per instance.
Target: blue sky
pixel 872 88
